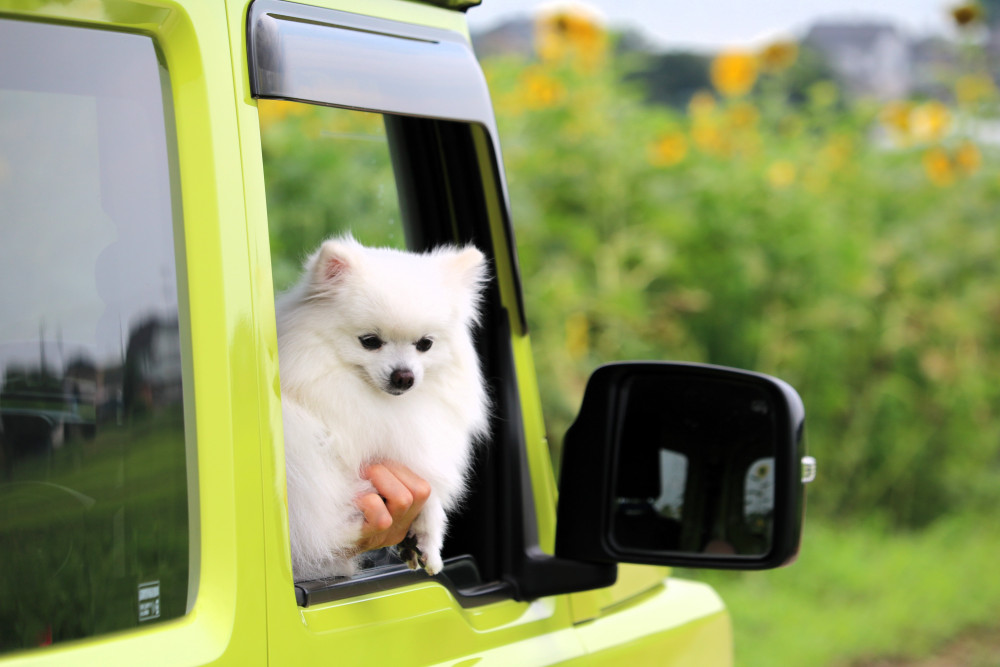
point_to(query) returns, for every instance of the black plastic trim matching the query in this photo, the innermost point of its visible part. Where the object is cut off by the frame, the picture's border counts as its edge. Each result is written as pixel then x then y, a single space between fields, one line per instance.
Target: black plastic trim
pixel 462 5
pixel 532 572
pixel 460 576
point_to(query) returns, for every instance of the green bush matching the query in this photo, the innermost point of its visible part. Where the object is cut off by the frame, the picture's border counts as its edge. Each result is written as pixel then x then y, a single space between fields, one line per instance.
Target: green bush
pixel 844 247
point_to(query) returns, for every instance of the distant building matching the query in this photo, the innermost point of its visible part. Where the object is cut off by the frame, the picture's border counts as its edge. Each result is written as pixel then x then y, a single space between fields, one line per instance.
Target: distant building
pixel 935 65
pixel 152 365
pixel 869 59
pixel 517 36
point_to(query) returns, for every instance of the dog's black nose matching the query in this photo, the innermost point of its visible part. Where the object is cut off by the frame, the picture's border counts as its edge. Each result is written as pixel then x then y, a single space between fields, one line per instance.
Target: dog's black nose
pixel 401 379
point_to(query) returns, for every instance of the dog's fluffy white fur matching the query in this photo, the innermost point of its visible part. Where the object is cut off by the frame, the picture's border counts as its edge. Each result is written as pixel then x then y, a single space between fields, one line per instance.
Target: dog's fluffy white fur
pixel 377 364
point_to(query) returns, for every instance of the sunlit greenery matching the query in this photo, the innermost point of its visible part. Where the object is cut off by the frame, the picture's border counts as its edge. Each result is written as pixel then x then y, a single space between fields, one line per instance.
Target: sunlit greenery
pixel 847 246
pixel 864 591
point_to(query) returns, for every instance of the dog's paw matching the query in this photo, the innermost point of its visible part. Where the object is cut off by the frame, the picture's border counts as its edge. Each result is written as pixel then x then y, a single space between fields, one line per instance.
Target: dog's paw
pixel 432 563
pixel 409 552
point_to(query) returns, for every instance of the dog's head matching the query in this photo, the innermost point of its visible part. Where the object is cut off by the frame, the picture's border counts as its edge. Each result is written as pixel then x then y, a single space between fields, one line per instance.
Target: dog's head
pixel 393 316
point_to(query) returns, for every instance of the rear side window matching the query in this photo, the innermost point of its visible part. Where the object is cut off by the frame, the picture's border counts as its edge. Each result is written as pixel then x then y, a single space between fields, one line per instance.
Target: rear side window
pixel 94 482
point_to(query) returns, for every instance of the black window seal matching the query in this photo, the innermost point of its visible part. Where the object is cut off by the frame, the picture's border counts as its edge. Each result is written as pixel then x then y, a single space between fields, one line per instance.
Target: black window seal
pixel 460 576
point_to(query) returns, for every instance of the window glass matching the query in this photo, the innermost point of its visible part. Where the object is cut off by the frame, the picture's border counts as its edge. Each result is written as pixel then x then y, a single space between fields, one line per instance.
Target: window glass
pixel 94 485
pixel 327 171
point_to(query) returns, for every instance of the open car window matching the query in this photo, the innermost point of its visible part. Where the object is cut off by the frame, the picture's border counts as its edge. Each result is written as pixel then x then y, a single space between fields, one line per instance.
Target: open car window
pixel 381 178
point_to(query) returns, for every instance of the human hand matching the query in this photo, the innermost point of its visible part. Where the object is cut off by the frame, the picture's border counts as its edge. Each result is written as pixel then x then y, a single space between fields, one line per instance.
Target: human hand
pixel 397 500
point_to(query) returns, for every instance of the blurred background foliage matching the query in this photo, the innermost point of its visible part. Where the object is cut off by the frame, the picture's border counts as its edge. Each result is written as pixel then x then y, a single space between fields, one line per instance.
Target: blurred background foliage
pixel 769 221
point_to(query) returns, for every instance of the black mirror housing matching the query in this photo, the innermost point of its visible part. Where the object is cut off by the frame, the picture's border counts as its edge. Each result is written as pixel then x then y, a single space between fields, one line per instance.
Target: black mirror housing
pixel 684 464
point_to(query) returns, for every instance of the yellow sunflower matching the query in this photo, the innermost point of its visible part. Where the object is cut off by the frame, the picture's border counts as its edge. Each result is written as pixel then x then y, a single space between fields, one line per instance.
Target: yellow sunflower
pixel 734 73
pixel 778 56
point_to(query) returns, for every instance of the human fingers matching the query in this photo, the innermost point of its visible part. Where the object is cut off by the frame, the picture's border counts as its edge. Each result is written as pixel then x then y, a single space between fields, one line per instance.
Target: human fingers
pixel 394 492
pixel 377 518
pixel 418 489
pixel 399 496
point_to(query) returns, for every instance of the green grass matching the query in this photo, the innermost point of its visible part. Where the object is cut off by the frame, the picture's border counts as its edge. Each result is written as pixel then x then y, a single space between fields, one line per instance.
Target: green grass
pixel 863 590
pixel 83 526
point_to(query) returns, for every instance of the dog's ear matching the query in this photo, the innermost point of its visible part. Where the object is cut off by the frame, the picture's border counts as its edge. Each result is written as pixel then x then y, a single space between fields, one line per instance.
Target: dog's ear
pixel 333 260
pixel 468 266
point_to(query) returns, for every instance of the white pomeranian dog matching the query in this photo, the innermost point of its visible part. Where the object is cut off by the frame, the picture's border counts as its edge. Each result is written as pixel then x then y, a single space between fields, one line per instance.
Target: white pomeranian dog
pixel 377 364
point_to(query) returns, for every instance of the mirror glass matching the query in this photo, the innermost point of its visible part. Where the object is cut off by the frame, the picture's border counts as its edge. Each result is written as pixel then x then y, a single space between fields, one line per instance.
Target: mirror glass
pixel 696 465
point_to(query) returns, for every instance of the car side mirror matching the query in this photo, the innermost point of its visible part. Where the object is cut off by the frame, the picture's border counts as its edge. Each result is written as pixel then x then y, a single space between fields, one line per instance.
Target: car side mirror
pixel 684 464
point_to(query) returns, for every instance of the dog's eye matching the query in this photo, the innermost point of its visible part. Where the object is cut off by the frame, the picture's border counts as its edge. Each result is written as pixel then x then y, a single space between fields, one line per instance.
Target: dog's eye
pixel 370 342
pixel 424 344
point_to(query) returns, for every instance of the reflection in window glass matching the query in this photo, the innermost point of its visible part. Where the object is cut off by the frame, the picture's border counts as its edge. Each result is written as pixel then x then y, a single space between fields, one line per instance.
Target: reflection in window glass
pixel 673 484
pixel 94 486
pixel 758 490
pixel 327 171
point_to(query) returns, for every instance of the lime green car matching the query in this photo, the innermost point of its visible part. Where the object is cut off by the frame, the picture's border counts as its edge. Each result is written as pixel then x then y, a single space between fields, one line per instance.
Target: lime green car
pixel 156 157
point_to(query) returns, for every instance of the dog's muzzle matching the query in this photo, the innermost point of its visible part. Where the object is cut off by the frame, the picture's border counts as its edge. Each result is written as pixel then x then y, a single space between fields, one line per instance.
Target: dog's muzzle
pixel 400 381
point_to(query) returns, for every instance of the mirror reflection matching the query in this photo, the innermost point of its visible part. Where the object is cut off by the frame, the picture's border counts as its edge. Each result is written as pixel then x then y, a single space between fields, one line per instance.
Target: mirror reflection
pixel 696 466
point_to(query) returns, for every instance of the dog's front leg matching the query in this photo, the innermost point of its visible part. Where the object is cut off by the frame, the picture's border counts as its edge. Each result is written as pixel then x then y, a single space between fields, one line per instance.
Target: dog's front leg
pixel 428 532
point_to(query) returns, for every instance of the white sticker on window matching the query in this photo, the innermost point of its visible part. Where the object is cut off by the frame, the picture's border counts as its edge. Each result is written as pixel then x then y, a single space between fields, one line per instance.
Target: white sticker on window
pixel 149 601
